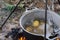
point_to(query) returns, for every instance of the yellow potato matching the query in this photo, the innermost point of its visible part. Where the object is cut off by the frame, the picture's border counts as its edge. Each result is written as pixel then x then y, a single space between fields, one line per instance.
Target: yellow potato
pixel 36 23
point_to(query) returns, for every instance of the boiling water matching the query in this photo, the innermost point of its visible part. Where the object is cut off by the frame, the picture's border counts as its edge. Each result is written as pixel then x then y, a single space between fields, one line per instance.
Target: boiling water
pixel 40 29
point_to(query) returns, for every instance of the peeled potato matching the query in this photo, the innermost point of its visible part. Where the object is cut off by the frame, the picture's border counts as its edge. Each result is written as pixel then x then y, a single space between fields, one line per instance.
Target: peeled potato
pixel 29 29
pixel 36 23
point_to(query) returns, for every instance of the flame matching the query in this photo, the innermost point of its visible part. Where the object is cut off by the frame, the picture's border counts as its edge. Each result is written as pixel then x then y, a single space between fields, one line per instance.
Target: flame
pixel 57 38
pixel 22 38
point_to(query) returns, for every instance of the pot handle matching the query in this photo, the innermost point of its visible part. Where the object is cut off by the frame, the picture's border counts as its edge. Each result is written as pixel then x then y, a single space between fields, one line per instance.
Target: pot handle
pixel 31 8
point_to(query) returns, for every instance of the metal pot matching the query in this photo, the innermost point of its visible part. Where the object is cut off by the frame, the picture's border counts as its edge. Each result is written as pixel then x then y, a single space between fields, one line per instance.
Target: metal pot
pixel 31 14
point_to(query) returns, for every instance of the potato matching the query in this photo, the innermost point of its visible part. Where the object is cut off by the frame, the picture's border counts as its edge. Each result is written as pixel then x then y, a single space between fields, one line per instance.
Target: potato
pixel 29 29
pixel 36 23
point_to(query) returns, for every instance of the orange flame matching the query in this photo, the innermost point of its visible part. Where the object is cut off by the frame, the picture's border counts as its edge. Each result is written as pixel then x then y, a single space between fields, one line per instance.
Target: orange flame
pixel 22 38
pixel 57 38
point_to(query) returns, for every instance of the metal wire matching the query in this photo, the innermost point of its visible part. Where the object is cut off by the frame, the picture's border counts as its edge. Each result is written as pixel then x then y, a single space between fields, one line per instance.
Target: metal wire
pixel 10 15
pixel 45 20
